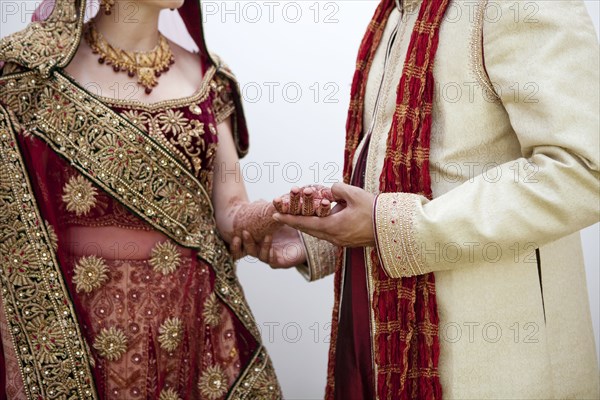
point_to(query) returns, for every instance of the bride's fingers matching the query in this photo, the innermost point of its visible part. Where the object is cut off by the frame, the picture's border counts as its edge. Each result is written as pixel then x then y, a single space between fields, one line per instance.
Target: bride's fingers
pixel 326 194
pixel 236 248
pixel 278 204
pixel 265 249
pixel 249 244
pixel 307 202
pixel 282 204
pixel 324 208
pixel 286 205
pixel 295 201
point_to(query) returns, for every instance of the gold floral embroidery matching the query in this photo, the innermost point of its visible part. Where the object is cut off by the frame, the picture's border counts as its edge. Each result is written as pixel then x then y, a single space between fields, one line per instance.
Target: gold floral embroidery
pixel 63 111
pixel 170 333
pixel 90 273
pixel 116 156
pixel 165 258
pixel 46 338
pixel 19 260
pixel 177 202
pixel 212 310
pixel 52 236
pixel 213 383
pixel 223 105
pixel 139 119
pixel 172 121
pixel 111 343
pixel 79 195
pixel 169 394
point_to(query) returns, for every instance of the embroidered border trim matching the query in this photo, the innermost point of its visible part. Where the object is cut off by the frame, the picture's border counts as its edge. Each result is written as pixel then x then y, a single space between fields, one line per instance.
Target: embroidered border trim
pixel 35 297
pixel 476 54
pixel 394 229
pixel 320 258
pixel 258 381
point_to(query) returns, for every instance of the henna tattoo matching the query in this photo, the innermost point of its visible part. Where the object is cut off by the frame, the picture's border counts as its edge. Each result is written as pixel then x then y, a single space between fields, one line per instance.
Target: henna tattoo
pixel 306 201
pixel 324 208
pixel 295 201
pixel 257 219
pixel 233 205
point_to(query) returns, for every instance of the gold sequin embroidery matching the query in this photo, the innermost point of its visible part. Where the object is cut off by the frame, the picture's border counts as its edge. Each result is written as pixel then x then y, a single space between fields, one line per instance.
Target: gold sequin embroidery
pixel 212 310
pixel 79 195
pixel 90 273
pixel 169 394
pixel 52 236
pixel 18 258
pixel 111 343
pixel 165 258
pixel 170 333
pixel 213 383
pixel 47 338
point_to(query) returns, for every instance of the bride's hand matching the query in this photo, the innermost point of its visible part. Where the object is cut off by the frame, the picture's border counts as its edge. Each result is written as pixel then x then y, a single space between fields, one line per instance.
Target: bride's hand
pixel 282 249
pixel 313 200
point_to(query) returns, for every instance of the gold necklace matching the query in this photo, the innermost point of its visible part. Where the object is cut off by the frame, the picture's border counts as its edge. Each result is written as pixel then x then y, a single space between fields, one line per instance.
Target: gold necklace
pixel 147 66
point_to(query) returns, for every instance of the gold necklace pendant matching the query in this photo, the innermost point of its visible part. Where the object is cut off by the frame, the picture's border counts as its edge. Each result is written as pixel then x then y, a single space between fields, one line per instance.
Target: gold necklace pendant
pixel 147 66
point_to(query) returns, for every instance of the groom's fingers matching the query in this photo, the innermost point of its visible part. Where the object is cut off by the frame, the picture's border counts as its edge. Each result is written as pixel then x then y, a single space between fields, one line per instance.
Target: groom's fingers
pixel 303 223
pixel 342 192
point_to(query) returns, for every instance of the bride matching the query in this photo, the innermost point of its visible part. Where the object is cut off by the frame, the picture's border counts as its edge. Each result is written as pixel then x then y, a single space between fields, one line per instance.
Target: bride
pixel 119 202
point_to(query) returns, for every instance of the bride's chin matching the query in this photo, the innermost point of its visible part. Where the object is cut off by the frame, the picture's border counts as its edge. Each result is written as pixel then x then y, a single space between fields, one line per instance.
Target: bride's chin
pixel 163 4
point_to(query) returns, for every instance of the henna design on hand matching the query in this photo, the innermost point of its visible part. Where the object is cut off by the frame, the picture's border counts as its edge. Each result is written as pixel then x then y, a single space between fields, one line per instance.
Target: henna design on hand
pixel 324 208
pixel 307 201
pixel 256 218
pixel 295 201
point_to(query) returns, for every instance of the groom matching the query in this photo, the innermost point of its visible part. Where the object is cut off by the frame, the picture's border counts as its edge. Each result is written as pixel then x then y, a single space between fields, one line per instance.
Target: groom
pixel 454 242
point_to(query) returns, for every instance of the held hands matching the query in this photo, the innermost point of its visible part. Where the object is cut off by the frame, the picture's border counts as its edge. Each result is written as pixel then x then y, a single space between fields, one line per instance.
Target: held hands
pixel 308 209
pixel 349 224
pixel 257 234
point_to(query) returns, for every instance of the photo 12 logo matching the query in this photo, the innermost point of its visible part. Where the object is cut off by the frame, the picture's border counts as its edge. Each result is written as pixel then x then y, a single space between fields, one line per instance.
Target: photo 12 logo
pixel 254 12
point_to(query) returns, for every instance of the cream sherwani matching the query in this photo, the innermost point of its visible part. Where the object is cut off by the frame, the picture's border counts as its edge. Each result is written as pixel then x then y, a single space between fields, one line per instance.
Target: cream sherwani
pixel 514 161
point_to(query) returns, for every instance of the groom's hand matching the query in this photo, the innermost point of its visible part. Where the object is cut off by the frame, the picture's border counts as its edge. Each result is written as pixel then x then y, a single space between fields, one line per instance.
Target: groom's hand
pixel 349 225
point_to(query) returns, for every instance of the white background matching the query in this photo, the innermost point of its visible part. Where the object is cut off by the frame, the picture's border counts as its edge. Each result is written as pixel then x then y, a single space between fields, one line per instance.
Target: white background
pixel 277 50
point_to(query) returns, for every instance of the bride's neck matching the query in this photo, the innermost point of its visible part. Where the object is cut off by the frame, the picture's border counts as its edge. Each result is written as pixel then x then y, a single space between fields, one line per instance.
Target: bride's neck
pixel 132 25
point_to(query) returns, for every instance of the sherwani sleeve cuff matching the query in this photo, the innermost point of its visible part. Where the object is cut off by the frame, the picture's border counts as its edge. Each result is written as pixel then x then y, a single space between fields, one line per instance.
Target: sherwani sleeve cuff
pixel 395 236
pixel 320 258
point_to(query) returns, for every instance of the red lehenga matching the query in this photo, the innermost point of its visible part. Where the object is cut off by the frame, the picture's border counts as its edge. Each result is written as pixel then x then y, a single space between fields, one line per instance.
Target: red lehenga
pixel 115 284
